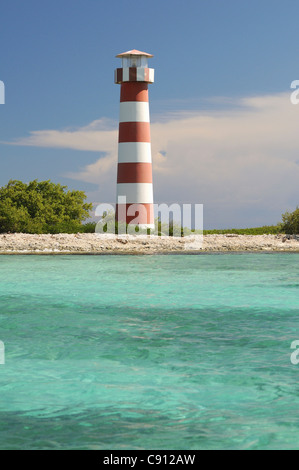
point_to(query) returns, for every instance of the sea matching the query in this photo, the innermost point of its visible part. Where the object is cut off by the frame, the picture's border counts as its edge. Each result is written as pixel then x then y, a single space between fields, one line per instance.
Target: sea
pixel 177 352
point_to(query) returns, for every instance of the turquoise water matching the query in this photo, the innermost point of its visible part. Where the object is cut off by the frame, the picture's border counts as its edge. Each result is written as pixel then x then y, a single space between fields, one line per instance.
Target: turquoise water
pixel 153 352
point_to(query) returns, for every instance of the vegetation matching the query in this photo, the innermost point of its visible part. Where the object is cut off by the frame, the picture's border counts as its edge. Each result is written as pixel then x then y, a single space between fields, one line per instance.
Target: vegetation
pixel 41 207
pixel 90 227
pixel 266 230
pixel 45 207
pixel 290 222
pixel 109 225
pixel 289 225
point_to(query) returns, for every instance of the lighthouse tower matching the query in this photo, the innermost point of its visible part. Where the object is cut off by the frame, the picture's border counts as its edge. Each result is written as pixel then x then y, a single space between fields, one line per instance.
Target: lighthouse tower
pixel 134 172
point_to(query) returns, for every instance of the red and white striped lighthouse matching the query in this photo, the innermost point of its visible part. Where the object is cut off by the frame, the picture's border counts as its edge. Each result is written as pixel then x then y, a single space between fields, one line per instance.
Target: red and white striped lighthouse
pixel 134 173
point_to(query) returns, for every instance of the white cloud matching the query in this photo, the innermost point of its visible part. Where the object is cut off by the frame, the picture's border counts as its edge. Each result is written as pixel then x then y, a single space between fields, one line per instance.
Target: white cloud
pixel 241 162
pixel 99 135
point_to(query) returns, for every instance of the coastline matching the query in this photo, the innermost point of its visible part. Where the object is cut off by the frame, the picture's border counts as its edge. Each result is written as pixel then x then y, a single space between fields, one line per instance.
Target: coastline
pixel 96 244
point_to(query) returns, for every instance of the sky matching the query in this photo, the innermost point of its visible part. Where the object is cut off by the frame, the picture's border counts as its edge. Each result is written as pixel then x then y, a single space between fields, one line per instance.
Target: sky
pixel 224 130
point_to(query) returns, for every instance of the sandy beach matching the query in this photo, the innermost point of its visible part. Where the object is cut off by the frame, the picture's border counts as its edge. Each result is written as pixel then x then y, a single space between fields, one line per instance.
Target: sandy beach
pixel 108 244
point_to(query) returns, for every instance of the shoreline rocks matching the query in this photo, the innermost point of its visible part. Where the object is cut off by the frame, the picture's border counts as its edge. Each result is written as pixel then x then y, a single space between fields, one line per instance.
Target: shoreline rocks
pixel 91 243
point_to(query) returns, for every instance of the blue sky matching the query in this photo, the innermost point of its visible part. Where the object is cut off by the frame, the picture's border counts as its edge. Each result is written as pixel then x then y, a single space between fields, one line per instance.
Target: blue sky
pixel 223 69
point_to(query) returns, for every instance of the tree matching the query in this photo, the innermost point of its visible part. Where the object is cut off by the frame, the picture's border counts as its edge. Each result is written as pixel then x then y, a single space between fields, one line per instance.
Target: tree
pixel 41 207
pixel 290 222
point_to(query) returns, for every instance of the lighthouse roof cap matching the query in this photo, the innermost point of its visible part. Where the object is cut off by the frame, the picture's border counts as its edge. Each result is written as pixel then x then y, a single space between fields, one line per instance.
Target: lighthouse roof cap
pixel 133 52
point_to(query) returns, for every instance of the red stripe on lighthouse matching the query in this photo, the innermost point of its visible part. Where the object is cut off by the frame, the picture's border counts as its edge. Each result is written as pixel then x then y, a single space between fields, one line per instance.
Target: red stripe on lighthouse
pixel 139 213
pixel 134 173
pixel 134 91
pixel 119 75
pixel 132 74
pixel 134 132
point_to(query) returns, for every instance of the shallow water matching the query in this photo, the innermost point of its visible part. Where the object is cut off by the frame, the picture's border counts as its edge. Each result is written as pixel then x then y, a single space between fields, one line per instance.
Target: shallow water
pixel 149 352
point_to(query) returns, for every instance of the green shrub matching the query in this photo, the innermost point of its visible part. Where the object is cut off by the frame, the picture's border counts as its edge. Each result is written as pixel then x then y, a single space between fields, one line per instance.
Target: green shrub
pixel 266 230
pixel 290 222
pixel 88 228
pixel 41 207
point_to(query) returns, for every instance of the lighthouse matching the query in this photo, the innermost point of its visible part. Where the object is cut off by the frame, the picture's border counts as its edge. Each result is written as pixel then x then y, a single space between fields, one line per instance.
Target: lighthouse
pixel 134 171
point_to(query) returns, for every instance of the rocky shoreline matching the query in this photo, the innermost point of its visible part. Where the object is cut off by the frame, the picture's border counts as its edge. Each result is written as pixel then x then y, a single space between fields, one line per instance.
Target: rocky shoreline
pixel 128 244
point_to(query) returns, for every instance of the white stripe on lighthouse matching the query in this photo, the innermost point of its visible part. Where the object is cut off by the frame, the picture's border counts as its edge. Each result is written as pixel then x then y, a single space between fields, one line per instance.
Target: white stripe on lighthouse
pixel 126 74
pixel 151 75
pixel 134 111
pixel 136 192
pixel 142 75
pixel 134 152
